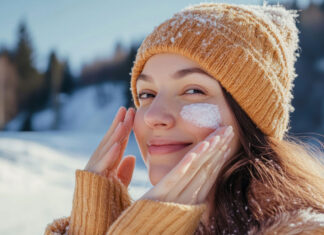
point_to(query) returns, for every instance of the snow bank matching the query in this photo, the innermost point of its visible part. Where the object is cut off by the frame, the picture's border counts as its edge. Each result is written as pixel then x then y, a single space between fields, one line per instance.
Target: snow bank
pixel 37 176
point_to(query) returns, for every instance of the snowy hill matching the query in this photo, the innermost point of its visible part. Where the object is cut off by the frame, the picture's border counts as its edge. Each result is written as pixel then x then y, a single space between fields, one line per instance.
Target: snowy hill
pixel 37 177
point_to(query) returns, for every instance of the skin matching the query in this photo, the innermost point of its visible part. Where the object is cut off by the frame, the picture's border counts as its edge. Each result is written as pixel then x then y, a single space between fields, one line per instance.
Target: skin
pixel 178 176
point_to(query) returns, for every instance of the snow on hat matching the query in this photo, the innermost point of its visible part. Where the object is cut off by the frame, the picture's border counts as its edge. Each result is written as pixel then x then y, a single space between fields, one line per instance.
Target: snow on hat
pixel 249 49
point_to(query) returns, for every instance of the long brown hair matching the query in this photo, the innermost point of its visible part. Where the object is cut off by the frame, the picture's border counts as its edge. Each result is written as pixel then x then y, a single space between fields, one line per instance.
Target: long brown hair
pixel 266 177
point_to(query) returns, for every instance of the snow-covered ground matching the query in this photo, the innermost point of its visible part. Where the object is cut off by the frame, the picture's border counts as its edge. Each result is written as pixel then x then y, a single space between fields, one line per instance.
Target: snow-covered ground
pixel 37 176
pixel 37 169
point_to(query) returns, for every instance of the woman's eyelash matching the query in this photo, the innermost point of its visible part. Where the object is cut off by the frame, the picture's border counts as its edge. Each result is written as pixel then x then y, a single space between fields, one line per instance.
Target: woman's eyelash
pixel 195 89
pixel 143 93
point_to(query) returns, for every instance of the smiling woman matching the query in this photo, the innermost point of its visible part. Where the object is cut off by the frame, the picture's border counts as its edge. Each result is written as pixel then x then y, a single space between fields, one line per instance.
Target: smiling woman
pixel 212 90
pixel 172 85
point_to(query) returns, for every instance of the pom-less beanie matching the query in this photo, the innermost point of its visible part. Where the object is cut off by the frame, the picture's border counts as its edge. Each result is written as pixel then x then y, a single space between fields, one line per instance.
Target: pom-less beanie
pixel 249 49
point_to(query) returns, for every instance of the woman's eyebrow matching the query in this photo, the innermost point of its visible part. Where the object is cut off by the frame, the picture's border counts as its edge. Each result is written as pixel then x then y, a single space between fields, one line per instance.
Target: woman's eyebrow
pixel 177 75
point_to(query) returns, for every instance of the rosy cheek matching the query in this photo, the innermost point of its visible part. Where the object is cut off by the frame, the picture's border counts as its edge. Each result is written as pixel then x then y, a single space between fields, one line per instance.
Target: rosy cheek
pixel 203 115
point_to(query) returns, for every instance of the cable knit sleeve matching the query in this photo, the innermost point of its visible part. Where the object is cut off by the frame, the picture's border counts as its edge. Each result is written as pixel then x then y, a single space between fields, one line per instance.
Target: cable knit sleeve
pixel 155 217
pixel 97 202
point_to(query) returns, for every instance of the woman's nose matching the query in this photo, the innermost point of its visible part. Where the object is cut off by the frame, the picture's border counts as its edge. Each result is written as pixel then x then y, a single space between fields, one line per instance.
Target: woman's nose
pixel 159 115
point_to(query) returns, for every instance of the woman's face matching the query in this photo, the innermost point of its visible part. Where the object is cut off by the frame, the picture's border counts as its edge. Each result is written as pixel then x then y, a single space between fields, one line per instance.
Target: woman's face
pixel 164 90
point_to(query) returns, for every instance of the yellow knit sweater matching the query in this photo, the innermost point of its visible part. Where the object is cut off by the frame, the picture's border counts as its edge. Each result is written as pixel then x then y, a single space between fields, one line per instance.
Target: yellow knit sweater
pixel 103 206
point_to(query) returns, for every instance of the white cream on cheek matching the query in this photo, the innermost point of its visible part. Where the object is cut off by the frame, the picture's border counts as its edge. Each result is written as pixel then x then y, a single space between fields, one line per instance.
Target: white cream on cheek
pixel 202 115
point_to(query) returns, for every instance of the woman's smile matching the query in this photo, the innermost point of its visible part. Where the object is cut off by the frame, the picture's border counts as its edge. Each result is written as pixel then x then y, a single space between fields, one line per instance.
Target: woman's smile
pixel 166 148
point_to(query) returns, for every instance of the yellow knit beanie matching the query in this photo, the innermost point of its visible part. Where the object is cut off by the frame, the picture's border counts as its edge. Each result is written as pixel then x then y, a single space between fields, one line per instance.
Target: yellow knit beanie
pixel 249 49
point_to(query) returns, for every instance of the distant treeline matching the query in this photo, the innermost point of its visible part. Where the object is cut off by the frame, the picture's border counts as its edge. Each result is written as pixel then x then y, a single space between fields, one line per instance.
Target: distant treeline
pixel 23 88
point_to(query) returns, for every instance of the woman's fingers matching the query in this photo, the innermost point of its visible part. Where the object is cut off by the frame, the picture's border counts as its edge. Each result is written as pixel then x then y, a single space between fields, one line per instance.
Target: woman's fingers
pixel 109 153
pixel 119 117
pixel 192 178
pixel 122 130
pixel 210 141
pixel 172 178
pixel 120 136
pixel 121 152
pixel 197 166
pixel 208 184
pixel 207 174
pixel 126 169
pixel 108 160
pixel 188 167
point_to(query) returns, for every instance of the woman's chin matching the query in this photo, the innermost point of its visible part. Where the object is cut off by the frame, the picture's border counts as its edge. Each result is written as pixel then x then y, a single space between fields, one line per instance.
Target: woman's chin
pixel 156 174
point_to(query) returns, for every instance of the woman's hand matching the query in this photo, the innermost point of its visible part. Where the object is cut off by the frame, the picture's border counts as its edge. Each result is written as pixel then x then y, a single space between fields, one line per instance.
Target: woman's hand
pixel 190 181
pixel 106 160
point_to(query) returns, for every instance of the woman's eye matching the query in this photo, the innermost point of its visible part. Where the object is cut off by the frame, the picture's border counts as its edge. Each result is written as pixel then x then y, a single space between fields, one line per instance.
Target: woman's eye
pixel 195 91
pixel 144 95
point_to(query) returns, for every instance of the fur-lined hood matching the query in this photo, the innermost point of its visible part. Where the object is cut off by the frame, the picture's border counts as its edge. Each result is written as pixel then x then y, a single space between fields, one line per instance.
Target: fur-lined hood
pixel 298 222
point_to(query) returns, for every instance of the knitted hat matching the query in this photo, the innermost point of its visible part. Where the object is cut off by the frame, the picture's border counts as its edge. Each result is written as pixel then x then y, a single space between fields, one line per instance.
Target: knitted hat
pixel 249 49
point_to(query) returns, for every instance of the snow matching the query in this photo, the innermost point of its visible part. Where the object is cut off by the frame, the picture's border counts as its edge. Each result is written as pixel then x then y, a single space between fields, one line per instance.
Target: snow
pixel 37 176
pixel 87 109
pixel 17 122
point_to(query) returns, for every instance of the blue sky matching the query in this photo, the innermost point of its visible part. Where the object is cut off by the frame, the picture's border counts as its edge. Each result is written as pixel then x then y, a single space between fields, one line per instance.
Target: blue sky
pixel 82 31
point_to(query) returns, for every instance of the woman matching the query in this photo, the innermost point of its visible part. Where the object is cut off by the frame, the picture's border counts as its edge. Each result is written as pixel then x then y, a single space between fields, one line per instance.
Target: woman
pixel 212 90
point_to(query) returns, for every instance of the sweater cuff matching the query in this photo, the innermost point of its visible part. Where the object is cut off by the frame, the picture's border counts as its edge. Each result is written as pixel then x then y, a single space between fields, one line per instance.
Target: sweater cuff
pixel 156 217
pixel 97 203
pixel 58 226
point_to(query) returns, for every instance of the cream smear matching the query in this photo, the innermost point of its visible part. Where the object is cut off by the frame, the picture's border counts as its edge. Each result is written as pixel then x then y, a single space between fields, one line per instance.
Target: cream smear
pixel 202 115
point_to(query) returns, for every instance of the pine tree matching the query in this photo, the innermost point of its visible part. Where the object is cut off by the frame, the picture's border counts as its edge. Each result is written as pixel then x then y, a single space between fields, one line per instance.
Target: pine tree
pixel 53 83
pixel 24 53
pixel 68 82
pixel 30 80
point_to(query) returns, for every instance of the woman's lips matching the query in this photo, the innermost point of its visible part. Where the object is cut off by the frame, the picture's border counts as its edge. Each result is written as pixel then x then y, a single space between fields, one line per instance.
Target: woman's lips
pixel 165 149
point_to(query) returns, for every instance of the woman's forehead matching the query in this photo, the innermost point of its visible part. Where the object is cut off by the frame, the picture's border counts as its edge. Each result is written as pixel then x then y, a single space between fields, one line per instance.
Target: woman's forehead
pixel 167 61
pixel 170 65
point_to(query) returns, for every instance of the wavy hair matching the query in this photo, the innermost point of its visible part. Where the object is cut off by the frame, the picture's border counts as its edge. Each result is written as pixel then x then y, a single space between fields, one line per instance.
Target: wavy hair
pixel 265 178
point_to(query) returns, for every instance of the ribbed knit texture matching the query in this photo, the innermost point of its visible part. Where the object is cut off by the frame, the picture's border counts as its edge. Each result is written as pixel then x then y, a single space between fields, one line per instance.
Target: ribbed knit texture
pixel 251 50
pixel 148 217
pixel 158 218
pixel 102 205
pixel 98 201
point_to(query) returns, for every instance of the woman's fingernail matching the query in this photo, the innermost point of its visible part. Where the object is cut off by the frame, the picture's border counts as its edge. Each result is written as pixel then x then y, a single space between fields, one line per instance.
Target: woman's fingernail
pixel 132 109
pixel 122 107
pixel 118 112
pixel 205 147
